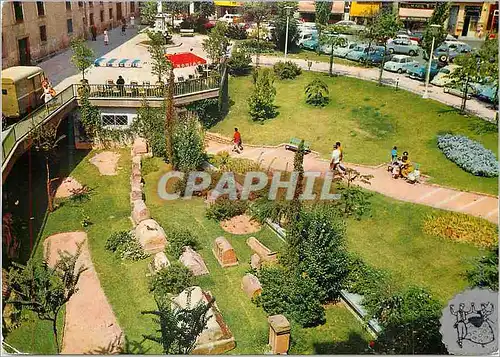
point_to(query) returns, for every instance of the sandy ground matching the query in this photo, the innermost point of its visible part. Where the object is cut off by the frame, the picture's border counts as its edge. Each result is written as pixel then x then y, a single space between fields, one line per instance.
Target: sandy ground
pixel 242 224
pixel 106 162
pixel 67 186
pixel 90 324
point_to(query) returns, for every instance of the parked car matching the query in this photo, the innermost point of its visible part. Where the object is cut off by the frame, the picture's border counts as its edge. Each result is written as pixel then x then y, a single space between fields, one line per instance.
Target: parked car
pixel 230 18
pixel 363 53
pixel 442 77
pixel 350 26
pixel 417 36
pixel 311 43
pixel 458 90
pixel 487 92
pixel 307 36
pixel 357 52
pixel 419 71
pixel 343 51
pixel 403 46
pixel 448 51
pixel 326 49
pixel 307 27
pixel 399 63
pixel 403 37
pixel 377 55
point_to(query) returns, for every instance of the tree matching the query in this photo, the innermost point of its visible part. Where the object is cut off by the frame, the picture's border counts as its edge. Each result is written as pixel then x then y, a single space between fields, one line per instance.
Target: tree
pixel 355 200
pixel 438 17
pixel 240 62
pixel 484 273
pixel 489 65
pixel 44 289
pixel 384 26
pixel 257 12
pixel 323 9
pixel 280 24
pixel 469 71
pixel 148 11
pixel 178 327
pixel 175 8
pixel 205 8
pixel 169 110
pixel 83 56
pixel 150 125
pixel 188 144
pixel 328 39
pixel 90 117
pixel 261 102
pixel 317 93
pixel 45 140
pixel 216 43
pixel 160 66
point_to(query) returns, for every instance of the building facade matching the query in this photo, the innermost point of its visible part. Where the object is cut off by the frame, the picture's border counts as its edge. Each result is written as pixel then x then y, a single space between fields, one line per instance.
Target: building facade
pixel 32 31
pixel 471 19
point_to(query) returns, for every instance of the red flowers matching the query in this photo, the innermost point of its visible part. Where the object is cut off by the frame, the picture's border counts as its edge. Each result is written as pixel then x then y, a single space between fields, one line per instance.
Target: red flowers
pixel 372 344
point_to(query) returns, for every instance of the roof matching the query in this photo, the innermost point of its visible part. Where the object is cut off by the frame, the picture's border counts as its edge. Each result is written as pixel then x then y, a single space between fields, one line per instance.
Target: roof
pixel 19 72
pixel 185 59
pixel 400 56
pixel 310 7
pixel 409 13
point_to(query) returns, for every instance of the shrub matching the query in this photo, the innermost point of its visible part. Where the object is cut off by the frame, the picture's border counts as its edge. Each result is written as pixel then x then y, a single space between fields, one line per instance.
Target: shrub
pixel 179 238
pixel 188 145
pixel 81 194
pixel 462 228
pixel 224 208
pixel 317 93
pixel 149 165
pixel 207 111
pixel 484 273
pixel 261 101
pixel 470 155
pixel 117 239
pixel 252 45
pixel 124 245
pixel 239 63
pixel 171 280
pixel 363 279
pixel 294 295
pixel 286 70
pixel 224 162
pixel 236 32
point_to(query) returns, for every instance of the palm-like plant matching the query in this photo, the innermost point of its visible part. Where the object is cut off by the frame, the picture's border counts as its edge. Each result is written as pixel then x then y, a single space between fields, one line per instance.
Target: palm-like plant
pixel 332 41
pixel 317 93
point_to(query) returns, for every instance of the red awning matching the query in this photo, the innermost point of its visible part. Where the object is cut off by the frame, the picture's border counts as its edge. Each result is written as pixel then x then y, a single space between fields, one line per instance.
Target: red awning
pixel 185 59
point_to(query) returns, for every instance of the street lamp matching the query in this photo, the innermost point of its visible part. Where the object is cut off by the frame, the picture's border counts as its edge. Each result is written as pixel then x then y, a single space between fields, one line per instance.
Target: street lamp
pixel 427 77
pixel 287 9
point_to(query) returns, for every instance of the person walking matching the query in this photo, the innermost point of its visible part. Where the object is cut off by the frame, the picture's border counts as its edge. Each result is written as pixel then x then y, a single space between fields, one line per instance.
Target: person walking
pixel 124 26
pixel 132 21
pixel 106 38
pixel 93 31
pixel 335 164
pixel 237 143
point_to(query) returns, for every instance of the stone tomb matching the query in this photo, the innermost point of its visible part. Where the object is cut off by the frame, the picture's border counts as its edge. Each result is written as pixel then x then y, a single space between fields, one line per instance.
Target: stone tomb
pixel 250 284
pixel 255 261
pixel 140 211
pixel 216 338
pixel 140 146
pixel 151 236
pixel 193 261
pixel 224 253
pixel 261 250
pixel 159 262
pixel 279 334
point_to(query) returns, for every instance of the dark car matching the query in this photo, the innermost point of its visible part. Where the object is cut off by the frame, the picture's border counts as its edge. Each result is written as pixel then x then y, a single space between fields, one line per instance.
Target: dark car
pixel 419 71
pixel 417 36
pixel 449 50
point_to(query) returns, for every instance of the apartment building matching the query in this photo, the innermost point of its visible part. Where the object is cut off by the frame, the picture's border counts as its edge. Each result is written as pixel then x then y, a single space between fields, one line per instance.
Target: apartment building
pixel 32 31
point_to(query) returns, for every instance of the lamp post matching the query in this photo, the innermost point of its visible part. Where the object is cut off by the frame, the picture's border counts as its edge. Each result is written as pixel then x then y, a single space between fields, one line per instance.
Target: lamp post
pixel 427 77
pixel 287 9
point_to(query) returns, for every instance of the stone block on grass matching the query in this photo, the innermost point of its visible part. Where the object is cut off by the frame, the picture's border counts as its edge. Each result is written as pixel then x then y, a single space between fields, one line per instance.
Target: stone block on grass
pixel 193 261
pixel 140 211
pixel 151 236
pixel 250 284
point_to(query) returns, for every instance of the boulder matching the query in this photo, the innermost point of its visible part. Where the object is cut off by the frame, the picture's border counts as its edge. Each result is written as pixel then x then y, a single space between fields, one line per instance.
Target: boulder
pixel 255 261
pixel 250 284
pixel 151 236
pixel 140 211
pixel 136 160
pixel 193 261
pixel 159 262
pixel 140 146
pixel 264 253
pixel 135 180
pixel 224 252
pixel 136 193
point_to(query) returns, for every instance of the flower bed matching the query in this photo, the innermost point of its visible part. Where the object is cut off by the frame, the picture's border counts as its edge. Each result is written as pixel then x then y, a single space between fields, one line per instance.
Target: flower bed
pixel 469 155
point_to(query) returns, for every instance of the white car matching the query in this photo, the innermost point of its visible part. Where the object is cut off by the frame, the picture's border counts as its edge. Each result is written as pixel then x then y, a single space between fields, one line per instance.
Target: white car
pixel 403 37
pixel 442 78
pixel 398 63
pixel 350 24
pixel 229 18
pixel 343 51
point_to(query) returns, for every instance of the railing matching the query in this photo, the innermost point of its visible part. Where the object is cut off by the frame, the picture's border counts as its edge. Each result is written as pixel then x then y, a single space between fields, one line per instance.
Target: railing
pixel 22 128
pixel 150 91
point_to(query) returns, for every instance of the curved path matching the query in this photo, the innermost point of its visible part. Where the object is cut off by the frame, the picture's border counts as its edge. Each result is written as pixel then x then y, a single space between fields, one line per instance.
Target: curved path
pixel 90 326
pixel 473 106
pixel 278 158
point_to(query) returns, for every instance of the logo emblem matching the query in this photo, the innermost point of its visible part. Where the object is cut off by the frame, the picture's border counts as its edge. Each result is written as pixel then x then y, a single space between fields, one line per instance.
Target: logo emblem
pixel 469 324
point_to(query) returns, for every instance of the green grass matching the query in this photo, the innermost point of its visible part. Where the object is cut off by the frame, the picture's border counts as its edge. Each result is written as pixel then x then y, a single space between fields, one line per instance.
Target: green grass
pixel 412 257
pixel 369 120
pixel 315 57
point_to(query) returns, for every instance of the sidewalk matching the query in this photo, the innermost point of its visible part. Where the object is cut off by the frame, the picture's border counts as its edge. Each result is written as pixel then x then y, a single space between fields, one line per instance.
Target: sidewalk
pixel 476 204
pixel 473 106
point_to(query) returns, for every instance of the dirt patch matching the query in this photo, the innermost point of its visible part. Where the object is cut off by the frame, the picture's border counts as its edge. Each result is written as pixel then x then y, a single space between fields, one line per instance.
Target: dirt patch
pixel 106 162
pixel 90 325
pixel 242 224
pixel 67 186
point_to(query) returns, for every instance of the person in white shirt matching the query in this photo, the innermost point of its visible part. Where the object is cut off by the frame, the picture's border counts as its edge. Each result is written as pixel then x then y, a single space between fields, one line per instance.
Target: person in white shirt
pixel 336 158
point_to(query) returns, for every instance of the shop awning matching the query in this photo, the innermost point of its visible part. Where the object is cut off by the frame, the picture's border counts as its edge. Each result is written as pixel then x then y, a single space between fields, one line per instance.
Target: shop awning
pixel 185 59
pixel 364 9
pixel 409 13
pixel 309 7
pixel 228 3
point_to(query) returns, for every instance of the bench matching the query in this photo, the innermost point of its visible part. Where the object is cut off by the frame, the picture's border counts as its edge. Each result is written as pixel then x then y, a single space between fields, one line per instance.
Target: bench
pixel 187 32
pixel 294 143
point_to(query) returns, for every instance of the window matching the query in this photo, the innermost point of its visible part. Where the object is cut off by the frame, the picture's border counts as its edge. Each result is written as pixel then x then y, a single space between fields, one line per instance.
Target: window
pixel 91 19
pixel 40 8
pixel 18 11
pixel 111 14
pixel 4 91
pixel 68 5
pixel 69 24
pixel 43 33
pixel 114 119
pixel 102 15
pixel 4 49
pixel 101 2
pixel 80 3
pixel 91 4
pixel 132 6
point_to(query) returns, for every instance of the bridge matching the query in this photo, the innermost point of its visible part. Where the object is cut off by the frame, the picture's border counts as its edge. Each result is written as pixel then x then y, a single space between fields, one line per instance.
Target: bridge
pixel 15 140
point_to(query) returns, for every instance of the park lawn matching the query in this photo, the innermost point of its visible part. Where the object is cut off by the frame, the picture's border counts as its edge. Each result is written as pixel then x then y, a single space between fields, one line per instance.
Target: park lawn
pixel 247 322
pixel 412 257
pixel 315 57
pixel 369 120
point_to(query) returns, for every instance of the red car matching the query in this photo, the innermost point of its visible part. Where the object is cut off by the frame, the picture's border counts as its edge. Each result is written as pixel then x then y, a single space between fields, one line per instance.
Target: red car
pixel 209 24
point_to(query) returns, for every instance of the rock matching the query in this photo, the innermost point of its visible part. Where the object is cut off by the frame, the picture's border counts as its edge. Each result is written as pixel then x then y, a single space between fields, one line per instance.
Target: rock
pixel 136 160
pixel 159 262
pixel 224 252
pixel 193 261
pixel 140 146
pixel 151 236
pixel 140 211
pixel 135 180
pixel 255 261
pixel 279 334
pixel 265 253
pixel 251 285
pixel 136 193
